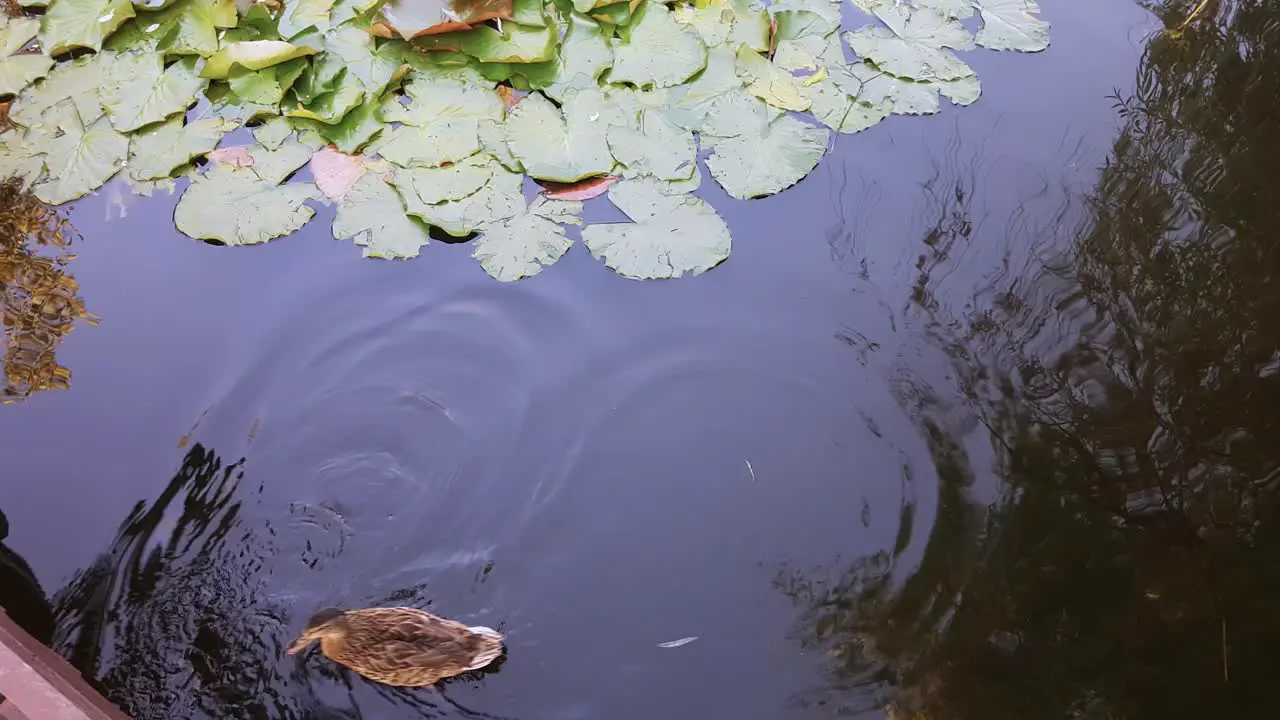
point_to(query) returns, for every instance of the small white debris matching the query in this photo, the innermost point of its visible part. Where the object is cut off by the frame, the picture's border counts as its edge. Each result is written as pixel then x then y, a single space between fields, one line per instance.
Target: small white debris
pixel 107 18
pixel 753 472
pixel 154 27
pixel 678 643
pixel 594 117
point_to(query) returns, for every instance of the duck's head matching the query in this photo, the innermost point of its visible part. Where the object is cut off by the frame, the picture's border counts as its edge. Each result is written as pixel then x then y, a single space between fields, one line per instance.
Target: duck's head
pixel 328 622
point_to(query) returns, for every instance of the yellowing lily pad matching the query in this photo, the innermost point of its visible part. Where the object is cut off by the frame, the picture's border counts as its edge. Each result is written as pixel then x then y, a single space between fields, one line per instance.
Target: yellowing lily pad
pixel 658 50
pixel 251 55
pixel 70 24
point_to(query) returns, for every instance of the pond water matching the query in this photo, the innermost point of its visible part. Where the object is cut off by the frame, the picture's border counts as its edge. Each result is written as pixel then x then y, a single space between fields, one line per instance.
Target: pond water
pixel 857 462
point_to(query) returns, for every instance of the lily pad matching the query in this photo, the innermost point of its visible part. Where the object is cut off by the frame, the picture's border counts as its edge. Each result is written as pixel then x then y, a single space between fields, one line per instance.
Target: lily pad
pixel 373 216
pixel 713 20
pixel 77 81
pixel 19 71
pixel 499 199
pixel 236 206
pixel 658 50
pixel 415 18
pixel 671 233
pixel 251 55
pixel 583 52
pixel 692 102
pixel 757 164
pixel 769 82
pixel 522 246
pixel 513 44
pixel 189 27
pixel 22 155
pixel 139 90
pixel 81 159
pixel 842 112
pixel 272 132
pixel 70 24
pixel 880 89
pixel 563 144
pixel 156 151
pixel 655 147
pixel 358 128
pixel 300 15
pixel 433 186
pixel 915 44
pixel 1011 25
pixel 441 124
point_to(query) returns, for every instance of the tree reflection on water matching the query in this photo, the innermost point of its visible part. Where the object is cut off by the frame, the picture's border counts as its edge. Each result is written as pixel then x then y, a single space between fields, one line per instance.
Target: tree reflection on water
pixel 40 303
pixel 1132 568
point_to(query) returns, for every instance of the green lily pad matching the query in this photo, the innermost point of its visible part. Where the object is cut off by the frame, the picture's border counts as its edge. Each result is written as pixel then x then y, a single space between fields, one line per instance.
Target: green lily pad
pixel 658 51
pixel 521 246
pixel 70 24
pixel 274 165
pixel 796 19
pixel 433 186
pixel 251 55
pixel 300 15
pixel 19 71
pixel 563 144
pixel 266 86
pixel 751 25
pixel 769 82
pixel 81 159
pixel 654 146
pixel 915 44
pixel 880 89
pixel 842 112
pixel 352 49
pixel 22 155
pixel 583 53
pixel 528 12
pixel 692 102
pixel 757 164
pixel 345 10
pixel 499 199
pixel 236 206
pixel 416 18
pixel 514 44
pixel 331 107
pixel 493 140
pixel 671 233
pixel 713 20
pixel 962 92
pixel 1011 25
pixel 139 90
pixel 156 151
pixel 77 81
pixel 189 27
pixel 441 124
pixel 358 128
pixel 373 216
pixel 273 132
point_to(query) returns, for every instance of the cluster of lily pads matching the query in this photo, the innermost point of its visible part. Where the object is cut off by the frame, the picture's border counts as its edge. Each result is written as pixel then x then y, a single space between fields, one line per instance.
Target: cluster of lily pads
pixel 413 114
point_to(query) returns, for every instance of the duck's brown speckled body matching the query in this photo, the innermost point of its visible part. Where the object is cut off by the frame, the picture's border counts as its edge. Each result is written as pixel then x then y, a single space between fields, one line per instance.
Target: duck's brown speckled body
pixel 400 645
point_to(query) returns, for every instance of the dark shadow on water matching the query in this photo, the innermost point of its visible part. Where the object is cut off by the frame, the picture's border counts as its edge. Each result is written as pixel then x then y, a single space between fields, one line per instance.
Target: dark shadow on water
pixel 1128 385
pixel 173 619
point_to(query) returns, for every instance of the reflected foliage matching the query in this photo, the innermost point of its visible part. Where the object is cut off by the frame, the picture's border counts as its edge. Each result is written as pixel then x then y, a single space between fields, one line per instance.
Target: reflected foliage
pixel 39 301
pixel 1129 387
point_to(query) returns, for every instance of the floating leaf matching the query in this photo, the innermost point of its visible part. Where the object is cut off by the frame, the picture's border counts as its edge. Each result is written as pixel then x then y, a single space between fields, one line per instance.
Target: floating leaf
pixel 441 124
pixel 694 101
pixel 499 199
pixel 19 71
pixel 915 44
pixel 332 106
pixel 712 19
pixel 658 50
pixel 584 190
pixel 684 640
pixel 522 246
pixel 671 233
pixel 139 90
pixel 514 43
pixel 22 155
pixel 373 215
pixel 300 15
pixel 757 164
pixel 879 89
pixel 444 184
pixel 769 82
pixel 964 91
pixel 583 52
pixel 235 156
pixel 236 206
pixel 81 159
pixel 272 132
pixel 335 173
pixel 415 18
pixel 751 25
pixel 842 112
pixel 358 128
pixel 77 81
pixel 1010 25
pixel 156 151
pixel 654 146
pixel 70 24
pixel 563 144
pixel 251 55
pixel 189 27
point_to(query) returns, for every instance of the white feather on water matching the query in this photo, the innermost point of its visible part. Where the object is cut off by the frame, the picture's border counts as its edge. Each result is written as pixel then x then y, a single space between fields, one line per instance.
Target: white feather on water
pixel 678 643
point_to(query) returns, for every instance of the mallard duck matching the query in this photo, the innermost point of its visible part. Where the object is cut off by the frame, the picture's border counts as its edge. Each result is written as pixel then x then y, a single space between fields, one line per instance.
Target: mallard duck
pixel 400 645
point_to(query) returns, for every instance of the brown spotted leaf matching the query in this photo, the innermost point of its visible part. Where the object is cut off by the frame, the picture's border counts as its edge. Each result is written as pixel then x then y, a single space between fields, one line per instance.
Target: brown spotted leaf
pixel 584 190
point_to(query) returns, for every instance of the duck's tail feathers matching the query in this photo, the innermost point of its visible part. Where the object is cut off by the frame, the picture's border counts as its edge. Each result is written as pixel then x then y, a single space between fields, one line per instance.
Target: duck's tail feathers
pixel 492 646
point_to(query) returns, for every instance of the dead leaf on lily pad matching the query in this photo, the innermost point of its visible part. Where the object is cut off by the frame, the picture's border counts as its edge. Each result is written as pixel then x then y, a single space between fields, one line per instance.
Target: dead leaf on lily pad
pixel 237 156
pixel 415 18
pixel 335 173
pixel 585 190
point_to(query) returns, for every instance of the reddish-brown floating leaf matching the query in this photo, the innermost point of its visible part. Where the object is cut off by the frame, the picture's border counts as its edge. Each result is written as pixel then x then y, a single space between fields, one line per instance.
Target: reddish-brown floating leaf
pixel 382 29
pixel 582 190
pixel 236 156
pixel 336 172
pixel 510 96
pixel 773 34
pixel 416 18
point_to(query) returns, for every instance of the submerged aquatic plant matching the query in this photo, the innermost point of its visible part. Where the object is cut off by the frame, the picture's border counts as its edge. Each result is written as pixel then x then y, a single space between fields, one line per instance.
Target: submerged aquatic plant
pixel 442 108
